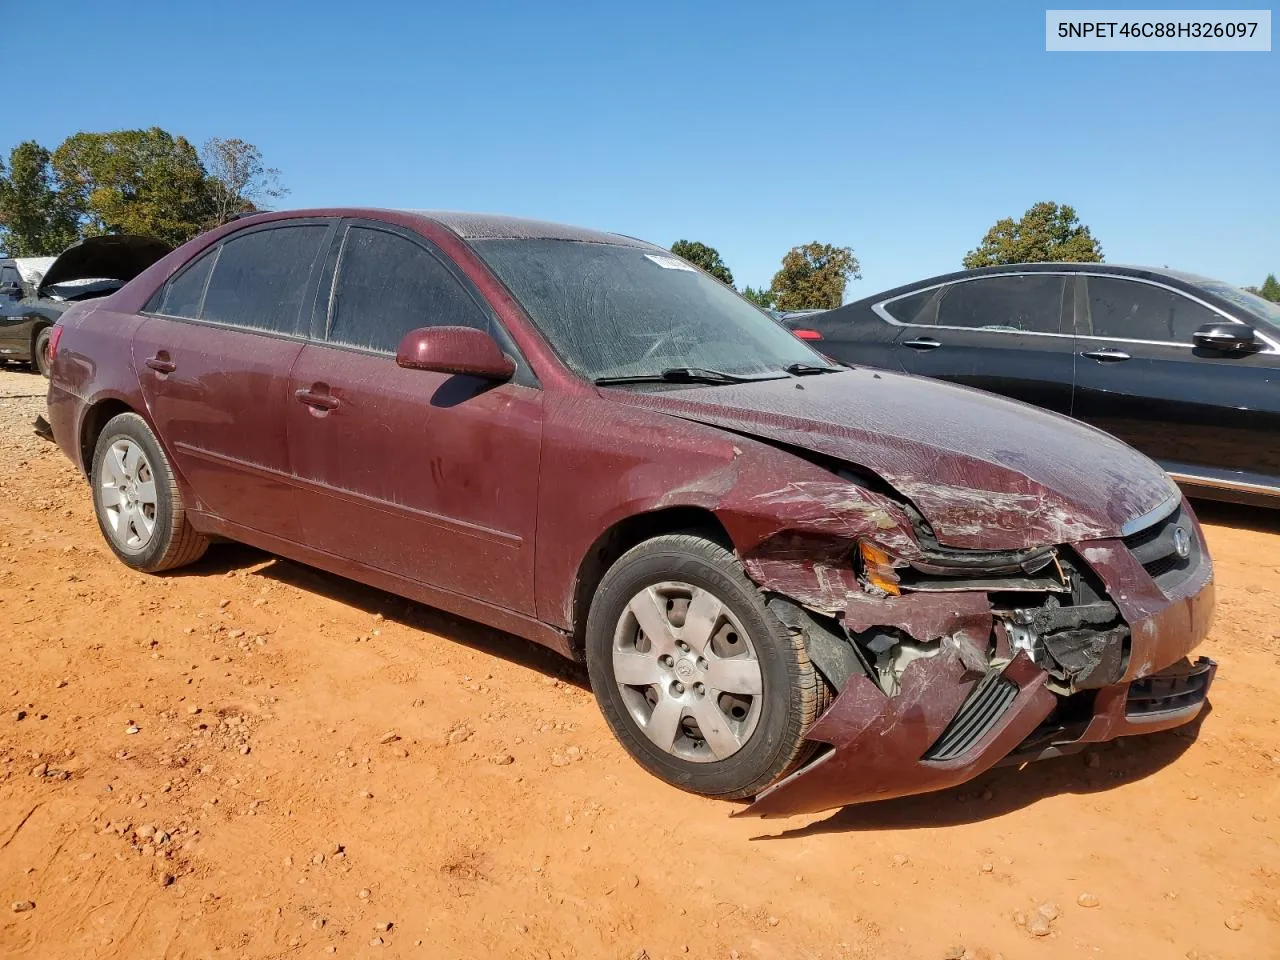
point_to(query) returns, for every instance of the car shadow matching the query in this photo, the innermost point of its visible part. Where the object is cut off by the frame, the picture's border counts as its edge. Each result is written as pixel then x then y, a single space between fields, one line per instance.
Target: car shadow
pixel 1006 789
pixel 1238 515
pixel 224 558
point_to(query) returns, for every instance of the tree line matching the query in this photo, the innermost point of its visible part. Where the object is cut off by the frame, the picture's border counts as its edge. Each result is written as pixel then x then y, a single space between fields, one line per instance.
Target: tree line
pixel 146 182
pixel 153 183
pixel 814 276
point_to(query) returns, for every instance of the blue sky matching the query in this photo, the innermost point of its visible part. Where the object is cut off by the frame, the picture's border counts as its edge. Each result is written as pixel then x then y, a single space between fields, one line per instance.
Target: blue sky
pixel 903 130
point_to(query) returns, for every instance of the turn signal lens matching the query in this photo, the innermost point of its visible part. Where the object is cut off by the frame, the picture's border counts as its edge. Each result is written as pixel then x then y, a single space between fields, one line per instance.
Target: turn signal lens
pixel 877 567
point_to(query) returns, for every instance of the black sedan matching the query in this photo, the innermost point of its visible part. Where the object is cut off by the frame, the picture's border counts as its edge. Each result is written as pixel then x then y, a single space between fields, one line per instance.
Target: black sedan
pixel 1184 368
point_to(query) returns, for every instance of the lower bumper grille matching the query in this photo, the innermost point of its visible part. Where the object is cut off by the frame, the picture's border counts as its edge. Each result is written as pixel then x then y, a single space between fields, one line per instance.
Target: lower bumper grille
pixel 981 710
pixel 1180 687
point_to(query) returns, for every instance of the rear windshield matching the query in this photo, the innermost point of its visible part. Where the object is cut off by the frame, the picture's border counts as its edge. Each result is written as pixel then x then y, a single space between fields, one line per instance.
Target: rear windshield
pixel 610 310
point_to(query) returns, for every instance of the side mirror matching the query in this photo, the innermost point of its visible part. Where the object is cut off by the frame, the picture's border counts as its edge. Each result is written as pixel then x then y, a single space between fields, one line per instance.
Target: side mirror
pixel 462 350
pixel 1226 337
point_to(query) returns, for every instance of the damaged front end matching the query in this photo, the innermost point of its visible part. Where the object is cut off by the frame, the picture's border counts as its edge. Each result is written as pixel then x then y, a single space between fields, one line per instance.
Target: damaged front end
pixel 948 662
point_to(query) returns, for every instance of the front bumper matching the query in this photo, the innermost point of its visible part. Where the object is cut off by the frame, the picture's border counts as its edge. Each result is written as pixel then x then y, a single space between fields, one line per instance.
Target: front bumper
pixel 951 722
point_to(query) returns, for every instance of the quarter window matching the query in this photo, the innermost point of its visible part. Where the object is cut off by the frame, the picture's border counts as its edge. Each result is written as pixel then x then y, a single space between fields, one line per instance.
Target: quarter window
pixel 1030 303
pixel 1131 310
pixel 184 293
pixel 916 309
pixel 388 285
pixel 260 278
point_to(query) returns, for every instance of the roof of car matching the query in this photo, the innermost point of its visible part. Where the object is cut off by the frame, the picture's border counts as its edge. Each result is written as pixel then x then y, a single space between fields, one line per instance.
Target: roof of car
pixel 488 226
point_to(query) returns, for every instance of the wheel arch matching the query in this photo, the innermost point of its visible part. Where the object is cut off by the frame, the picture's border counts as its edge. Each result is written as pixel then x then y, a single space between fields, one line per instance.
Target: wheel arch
pixel 95 421
pixel 620 537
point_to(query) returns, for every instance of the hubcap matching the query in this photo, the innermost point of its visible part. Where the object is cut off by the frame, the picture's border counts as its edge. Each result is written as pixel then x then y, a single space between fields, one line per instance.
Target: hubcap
pixel 128 493
pixel 688 672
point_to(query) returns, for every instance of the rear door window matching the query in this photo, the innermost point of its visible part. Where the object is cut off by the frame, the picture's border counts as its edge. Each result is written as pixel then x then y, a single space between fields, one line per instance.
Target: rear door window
pixel 1132 310
pixel 1028 303
pixel 387 285
pixel 260 278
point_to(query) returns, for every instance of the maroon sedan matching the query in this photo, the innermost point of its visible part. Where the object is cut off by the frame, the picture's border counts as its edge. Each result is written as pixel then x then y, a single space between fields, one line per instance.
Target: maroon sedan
pixel 791 581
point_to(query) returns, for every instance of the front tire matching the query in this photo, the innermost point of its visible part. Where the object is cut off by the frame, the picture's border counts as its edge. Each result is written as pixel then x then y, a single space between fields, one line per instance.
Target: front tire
pixel 698 680
pixel 137 501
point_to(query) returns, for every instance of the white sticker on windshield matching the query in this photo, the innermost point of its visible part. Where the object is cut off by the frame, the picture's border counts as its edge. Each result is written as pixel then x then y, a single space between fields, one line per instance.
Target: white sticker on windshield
pixel 669 263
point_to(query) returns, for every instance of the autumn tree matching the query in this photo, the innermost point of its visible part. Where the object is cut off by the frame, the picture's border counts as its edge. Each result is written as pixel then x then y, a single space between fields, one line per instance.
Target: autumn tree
pixel 36 217
pixel 239 182
pixel 814 276
pixel 1046 232
pixel 1270 289
pixel 708 258
pixel 761 297
pixel 147 182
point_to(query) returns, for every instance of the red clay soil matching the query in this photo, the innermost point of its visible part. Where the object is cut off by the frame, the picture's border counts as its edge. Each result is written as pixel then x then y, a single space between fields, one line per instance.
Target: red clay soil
pixel 254 759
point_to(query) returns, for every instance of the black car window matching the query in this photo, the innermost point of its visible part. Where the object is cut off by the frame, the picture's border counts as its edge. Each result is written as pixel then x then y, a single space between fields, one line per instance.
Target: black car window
pixel 183 294
pixel 260 277
pixel 917 309
pixel 1031 303
pixel 388 285
pixel 1132 310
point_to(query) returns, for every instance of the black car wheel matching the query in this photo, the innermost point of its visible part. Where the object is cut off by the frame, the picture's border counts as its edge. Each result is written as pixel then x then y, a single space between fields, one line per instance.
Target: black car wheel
pixel 41 355
pixel 137 501
pixel 696 677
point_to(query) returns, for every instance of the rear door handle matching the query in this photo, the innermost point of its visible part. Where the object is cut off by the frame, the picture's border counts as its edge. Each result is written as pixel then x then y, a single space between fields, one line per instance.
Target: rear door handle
pixel 922 343
pixel 320 401
pixel 161 363
pixel 1106 355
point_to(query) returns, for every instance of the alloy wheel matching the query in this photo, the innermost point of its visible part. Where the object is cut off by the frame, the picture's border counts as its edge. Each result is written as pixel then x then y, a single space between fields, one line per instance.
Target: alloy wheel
pixel 128 494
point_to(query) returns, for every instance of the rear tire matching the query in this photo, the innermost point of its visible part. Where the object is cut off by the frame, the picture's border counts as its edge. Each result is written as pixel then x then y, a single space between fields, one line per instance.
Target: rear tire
pixel 137 501
pixel 41 358
pixel 698 680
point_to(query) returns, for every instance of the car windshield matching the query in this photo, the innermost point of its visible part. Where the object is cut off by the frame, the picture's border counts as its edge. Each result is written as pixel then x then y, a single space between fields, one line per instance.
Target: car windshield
pixel 1259 307
pixel 621 311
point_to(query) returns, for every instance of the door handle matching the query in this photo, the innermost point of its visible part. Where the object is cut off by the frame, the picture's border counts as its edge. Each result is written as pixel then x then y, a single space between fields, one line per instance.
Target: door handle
pixel 1106 355
pixel 922 343
pixel 320 401
pixel 161 363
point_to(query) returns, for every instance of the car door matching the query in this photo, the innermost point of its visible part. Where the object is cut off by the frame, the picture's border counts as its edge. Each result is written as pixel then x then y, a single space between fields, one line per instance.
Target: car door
pixel 14 331
pixel 1000 332
pixel 1200 413
pixel 213 358
pixel 428 476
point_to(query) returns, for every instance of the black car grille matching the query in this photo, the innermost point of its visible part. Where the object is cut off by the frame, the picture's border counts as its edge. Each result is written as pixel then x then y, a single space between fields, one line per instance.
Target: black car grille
pixel 981 710
pixel 1156 548
pixel 1172 690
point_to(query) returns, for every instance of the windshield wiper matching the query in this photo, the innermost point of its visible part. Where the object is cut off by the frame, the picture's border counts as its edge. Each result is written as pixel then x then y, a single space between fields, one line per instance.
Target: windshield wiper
pixel 804 369
pixel 682 375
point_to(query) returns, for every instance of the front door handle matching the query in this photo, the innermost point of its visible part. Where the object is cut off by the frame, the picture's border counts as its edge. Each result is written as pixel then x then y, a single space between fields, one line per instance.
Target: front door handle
pixel 922 343
pixel 1106 355
pixel 320 401
pixel 161 363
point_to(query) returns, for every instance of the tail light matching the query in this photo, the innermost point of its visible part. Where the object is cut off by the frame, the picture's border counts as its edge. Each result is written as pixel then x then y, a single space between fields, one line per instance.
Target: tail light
pixel 54 337
pixel 807 334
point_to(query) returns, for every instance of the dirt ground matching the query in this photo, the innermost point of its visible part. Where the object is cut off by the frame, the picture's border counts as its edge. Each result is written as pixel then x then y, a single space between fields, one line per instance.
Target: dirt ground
pixel 254 759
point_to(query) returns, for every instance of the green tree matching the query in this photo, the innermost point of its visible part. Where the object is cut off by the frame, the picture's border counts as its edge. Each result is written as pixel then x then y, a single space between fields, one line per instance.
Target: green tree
pixel 708 258
pixel 1270 289
pixel 762 297
pixel 814 277
pixel 238 180
pixel 1046 232
pixel 36 216
pixel 147 182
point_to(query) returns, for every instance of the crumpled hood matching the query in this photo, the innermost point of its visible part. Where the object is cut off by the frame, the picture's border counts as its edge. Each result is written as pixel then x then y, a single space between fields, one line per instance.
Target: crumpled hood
pixel 109 257
pixel 987 472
